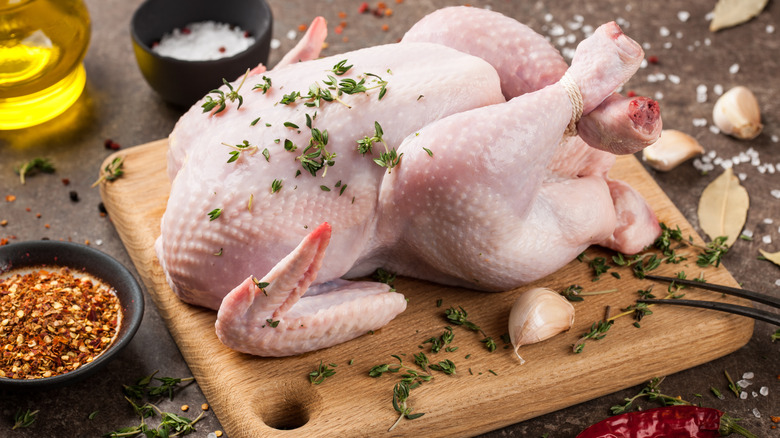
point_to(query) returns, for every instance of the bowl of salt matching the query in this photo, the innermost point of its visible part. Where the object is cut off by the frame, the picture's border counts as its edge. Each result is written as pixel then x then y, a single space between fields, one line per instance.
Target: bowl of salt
pixel 185 48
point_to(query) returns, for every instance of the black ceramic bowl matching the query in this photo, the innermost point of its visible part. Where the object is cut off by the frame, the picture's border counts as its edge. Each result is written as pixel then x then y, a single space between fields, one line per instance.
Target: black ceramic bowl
pixel 97 264
pixel 184 82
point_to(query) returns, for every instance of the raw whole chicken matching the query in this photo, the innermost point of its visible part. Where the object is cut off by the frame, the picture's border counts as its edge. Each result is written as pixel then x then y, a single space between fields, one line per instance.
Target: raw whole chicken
pixel 468 154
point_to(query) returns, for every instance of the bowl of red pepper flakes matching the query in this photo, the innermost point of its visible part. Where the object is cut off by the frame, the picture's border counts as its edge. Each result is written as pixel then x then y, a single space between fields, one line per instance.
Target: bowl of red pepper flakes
pixel 66 310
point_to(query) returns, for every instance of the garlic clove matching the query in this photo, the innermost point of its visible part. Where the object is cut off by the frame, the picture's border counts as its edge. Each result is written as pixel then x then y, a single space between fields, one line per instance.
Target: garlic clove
pixel 538 314
pixel 736 113
pixel 672 148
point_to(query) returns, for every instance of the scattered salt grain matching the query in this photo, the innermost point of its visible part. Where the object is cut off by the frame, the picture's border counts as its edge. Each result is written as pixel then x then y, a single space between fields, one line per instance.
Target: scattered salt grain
pixel 767 239
pixel 734 69
pixel 748 375
pixel 99 242
pixel 747 233
pixel 679 35
pixel 775 193
pixel 764 390
pixel 548 18
pixel 699 123
pixel 777 282
pixel 743 395
pixel 756 413
pixel 203 41
pixel 742 176
pixel 658 95
pixel 674 79
pixel 701 93
pixel 709 16
pixel 646 46
pixel 275 44
pixel 774 138
pixel 754 394
pixel 292 34
pixel 770 28
pixel 707 42
pixel 717 89
pixel 714 129
pixel 683 16
pixel 663 31
pixel 667 45
pixel 768 220
pixel 744 383
pixel 557 30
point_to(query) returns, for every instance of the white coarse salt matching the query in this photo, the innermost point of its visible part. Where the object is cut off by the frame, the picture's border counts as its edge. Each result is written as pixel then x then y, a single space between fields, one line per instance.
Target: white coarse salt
pixel 714 129
pixel 683 16
pixel 717 89
pixel 658 95
pixel 668 45
pixel 699 123
pixel 770 28
pixel 756 413
pixel 777 282
pixel 764 390
pixel 548 17
pixel 203 41
pixel 734 69
pixel 557 30
pixel 748 375
pixel 709 16
pixel 275 43
pixel 754 394
pixel 663 31
pixel 679 35
pixel 743 395
pixel 747 233
pixel 674 79
pixel 768 221
pixel 775 193
pixel 292 34
pixel 774 138
pixel 767 239
pixel 742 176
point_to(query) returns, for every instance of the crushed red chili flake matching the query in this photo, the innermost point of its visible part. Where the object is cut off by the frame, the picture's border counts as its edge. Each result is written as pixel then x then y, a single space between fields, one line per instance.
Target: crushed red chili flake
pixel 363 8
pixel 10 198
pixel 53 322
pixel 652 59
pixel 65 181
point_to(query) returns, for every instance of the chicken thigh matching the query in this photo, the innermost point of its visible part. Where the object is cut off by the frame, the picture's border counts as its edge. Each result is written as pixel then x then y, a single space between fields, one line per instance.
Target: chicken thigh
pixel 274 203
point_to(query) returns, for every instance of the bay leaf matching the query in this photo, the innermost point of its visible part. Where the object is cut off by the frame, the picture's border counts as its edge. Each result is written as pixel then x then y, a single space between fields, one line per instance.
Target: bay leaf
pixel 723 207
pixel 772 257
pixel 729 13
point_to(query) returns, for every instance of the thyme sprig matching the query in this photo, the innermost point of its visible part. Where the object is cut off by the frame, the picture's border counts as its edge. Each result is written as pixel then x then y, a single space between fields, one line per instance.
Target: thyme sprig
pixel 713 252
pixel 220 102
pixel 24 419
pixel 144 387
pixel 265 86
pixel 112 171
pixel 652 392
pixel 400 396
pixel 389 159
pixel 598 330
pixel 322 372
pixel 44 165
pixel 244 146
pixel 171 425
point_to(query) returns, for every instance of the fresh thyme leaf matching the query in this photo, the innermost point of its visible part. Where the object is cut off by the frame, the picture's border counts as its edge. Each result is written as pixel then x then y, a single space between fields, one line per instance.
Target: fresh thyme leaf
pixel 713 252
pixel 272 323
pixel 290 98
pixel 320 374
pixel 599 266
pixel 446 366
pixel 24 419
pixel 261 285
pixel 219 253
pixel 290 125
pixel 221 98
pixel 266 154
pixel 490 344
pixel 640 310
pixel 144 388
pixel 428 151
pixel 383 276
pixel 35 165
pixel 214 214
pixel 642 267
pixel 265 86
pixel 325 188
pixel 422 361
pixel 460 317
pixel 254 122
pixel 340 68
pixel 276 185
pixel 597 331
pixel 652 392
pixel 233 156
pixel 289 145
pixel 572 293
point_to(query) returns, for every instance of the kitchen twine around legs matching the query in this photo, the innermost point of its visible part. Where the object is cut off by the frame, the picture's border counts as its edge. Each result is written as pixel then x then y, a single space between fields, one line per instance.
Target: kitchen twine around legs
pixel 576 103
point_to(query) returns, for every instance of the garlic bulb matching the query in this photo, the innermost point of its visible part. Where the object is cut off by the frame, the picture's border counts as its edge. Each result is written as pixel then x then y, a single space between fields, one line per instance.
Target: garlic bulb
pixel 672 148
pixel 736 113
pixel 538 314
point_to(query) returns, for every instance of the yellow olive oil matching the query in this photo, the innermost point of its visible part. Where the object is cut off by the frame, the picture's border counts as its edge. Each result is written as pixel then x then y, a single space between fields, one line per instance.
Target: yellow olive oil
pixel 42 46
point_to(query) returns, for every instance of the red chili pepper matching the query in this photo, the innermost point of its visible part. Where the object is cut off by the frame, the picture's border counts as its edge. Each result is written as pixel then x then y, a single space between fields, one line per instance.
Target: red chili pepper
pixel 670 421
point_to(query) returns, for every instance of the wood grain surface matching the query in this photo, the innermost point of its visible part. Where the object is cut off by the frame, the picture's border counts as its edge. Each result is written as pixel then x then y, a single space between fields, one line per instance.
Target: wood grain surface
pixel 255 397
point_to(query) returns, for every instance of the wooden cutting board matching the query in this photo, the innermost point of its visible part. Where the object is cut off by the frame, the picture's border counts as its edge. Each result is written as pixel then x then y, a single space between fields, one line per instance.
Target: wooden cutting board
pixel 255 397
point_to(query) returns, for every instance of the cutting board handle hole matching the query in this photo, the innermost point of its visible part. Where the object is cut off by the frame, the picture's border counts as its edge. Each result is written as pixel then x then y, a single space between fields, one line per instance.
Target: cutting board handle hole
pixel 288 405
